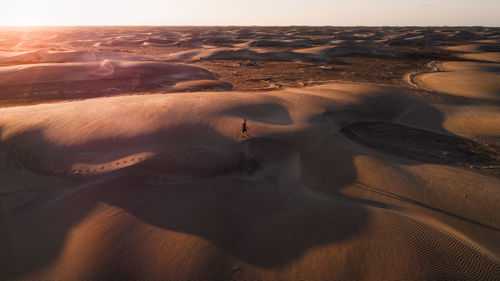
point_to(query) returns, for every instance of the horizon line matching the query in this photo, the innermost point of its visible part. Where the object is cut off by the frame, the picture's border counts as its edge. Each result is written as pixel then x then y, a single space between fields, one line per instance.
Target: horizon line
pixel 237 25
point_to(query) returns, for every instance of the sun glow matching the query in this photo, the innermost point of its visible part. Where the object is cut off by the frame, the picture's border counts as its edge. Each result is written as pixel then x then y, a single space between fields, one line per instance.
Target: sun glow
pixel 257 12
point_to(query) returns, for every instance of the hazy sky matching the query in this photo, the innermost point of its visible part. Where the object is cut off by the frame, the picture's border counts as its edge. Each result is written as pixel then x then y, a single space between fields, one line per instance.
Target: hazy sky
pixel 250 12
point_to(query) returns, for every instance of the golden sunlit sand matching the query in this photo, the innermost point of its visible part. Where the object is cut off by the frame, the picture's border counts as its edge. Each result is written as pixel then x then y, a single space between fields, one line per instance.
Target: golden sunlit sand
pixel 371 154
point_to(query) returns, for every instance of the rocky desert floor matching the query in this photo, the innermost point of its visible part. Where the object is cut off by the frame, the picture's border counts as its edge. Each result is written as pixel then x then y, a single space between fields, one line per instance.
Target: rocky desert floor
pixel 373 153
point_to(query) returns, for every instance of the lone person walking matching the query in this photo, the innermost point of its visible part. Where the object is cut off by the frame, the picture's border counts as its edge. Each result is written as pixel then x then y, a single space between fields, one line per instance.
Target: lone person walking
pixel 244 128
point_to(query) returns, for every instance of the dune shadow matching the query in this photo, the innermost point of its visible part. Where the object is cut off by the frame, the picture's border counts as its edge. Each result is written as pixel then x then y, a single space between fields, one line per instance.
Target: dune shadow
pixel 251 203
pixel 422 145
pixel 411 134
pixel 36 157
pixel 269 113
pixel 34 234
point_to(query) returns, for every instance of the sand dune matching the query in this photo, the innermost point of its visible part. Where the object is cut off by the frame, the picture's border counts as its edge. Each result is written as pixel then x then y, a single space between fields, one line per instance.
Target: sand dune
pixel 354 51
pixel 41 56
pixel 475 48
pixel 480 52
pixel 475 80
pixel 147 74
pixel 200 85
pixel 108 77
pixel 284 43
pixel 490 56
pixel 314 54
pixel 174 172
pixel 243 54
pixel 137 169
pixel 469 66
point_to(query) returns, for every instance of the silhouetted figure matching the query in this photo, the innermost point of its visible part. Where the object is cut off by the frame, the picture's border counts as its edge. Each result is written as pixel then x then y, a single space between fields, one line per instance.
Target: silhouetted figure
pixel 244 128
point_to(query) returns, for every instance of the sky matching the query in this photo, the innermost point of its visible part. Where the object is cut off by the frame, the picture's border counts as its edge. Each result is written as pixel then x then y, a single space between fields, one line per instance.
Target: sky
pixel 250 12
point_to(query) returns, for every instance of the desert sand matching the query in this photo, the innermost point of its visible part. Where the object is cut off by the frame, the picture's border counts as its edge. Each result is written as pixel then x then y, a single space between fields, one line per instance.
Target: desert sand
pixel 371 154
